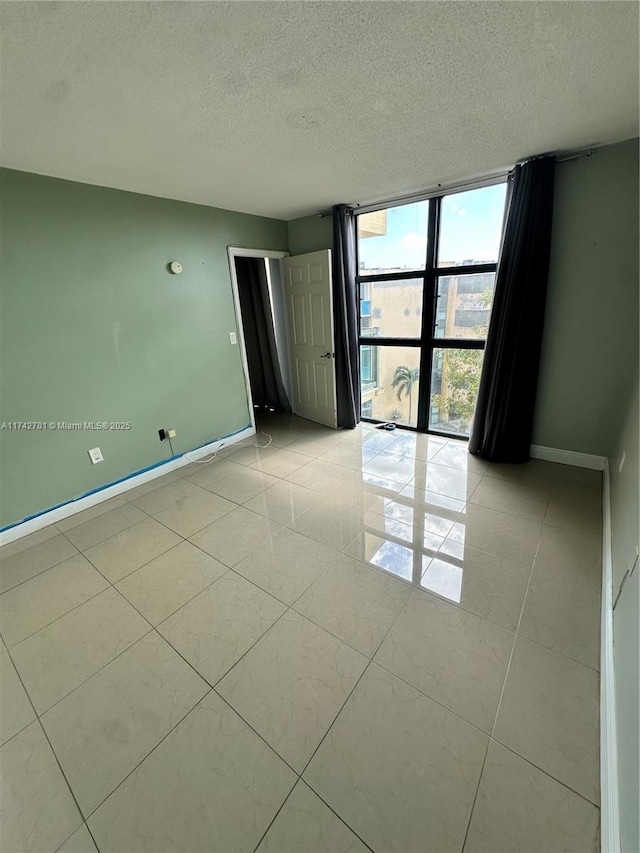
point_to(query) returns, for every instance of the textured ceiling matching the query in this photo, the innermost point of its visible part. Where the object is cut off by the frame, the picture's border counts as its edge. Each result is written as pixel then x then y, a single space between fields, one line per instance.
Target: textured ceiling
pixel 284 108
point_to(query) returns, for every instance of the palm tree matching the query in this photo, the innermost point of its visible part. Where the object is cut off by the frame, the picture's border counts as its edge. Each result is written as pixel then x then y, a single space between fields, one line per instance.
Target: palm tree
pixel 403 380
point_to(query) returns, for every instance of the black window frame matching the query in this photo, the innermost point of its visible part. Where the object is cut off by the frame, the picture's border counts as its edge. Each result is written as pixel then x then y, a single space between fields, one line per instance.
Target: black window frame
pixel 432 272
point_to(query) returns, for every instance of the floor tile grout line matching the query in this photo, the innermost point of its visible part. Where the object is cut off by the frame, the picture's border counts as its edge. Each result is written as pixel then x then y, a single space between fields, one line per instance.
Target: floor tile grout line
pixel 560 654
pixel 227 567
pixel 150 517
pixel 90 677
pixel 431 699
pixel 257 734
pixel 26 726
pixel 191 535
pixel 337 814
pixel 264 634
pixel 200 529
pixel 144 758
pixel 48 569
pixel 545 772
pixel 519 635
pixel 301 781
pixel 458 606
pixel 484 759
pixel 291 605
pixel 144 565
pixel 504 684
pixel 546 508
pixel 273 819
pixel 84 823
pixel 119 500
pixel 111 536
pixel 152 627
pixel 391 672
pixel 370 661
pixel 551 485
pixel 53 752
pixel 154 630
pixel 350 828
pixel 64 775
pixel 184 604
pixel 333 722
pixel 65 533
pixel 322 627
pixel 458 520
pixel 58 618
pixel 415 587
pixel 304 770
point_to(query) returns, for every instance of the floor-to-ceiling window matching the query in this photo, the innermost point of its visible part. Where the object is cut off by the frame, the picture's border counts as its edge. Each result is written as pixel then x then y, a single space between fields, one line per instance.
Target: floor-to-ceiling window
pixel 426 273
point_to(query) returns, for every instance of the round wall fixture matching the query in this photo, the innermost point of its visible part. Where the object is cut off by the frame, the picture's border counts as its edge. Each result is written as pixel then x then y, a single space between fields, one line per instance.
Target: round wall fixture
pixel 175 267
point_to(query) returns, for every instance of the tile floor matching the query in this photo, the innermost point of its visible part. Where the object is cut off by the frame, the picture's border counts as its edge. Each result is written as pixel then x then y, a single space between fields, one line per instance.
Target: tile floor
pixel 342 642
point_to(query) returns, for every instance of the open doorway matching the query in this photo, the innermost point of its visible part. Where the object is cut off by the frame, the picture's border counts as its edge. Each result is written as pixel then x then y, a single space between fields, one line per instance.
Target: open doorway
pixel 285 320
pixel 262 326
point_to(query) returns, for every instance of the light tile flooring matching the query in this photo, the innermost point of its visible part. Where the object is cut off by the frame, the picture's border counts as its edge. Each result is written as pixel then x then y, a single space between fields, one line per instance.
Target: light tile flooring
pixel 344 641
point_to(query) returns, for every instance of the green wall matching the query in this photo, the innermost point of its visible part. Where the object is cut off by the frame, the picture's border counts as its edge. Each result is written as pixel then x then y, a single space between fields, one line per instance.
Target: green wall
pixel 590 347
pixel 625 497
pixel 310 234
pixel 625 535
pixel 94 328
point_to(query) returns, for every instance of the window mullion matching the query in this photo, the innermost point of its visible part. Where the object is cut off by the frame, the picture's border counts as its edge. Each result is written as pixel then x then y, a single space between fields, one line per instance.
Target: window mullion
pixel 428 314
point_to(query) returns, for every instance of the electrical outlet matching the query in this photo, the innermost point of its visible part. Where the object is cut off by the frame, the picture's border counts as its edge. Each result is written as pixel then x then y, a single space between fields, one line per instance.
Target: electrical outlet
pixel 233 337
pixel 622 458
pixel 95 455
pixel 171 433
pixel 162 434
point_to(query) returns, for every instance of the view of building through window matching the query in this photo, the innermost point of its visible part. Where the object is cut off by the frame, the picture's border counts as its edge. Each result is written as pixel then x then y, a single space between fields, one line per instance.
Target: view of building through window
pixel 400 277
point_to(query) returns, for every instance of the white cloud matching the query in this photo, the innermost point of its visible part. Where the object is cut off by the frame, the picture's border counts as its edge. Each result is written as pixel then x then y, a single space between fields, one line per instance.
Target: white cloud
pixel 414 241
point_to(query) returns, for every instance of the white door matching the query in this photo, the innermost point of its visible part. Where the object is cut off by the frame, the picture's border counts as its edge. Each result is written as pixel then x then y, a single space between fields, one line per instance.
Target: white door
pixel 310 313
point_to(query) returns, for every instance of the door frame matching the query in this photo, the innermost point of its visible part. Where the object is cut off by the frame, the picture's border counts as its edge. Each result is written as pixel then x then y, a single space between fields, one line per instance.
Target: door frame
pixel 234 252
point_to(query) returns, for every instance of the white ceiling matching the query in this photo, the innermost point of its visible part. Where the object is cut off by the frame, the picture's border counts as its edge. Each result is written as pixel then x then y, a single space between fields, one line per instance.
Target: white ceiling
pixel 285 108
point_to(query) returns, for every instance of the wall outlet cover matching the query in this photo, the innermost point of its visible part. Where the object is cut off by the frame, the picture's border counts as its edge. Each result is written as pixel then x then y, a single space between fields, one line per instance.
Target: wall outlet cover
pixel 95 455
pixel 171 433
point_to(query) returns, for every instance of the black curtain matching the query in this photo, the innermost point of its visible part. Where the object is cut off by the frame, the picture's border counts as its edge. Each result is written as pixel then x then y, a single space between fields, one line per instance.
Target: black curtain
pixel 345 312
pixel 503 420
pixel 267 388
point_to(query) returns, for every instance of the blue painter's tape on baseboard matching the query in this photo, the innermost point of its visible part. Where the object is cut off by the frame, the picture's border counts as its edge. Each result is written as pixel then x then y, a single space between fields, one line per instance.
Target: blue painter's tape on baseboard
pixel 122 479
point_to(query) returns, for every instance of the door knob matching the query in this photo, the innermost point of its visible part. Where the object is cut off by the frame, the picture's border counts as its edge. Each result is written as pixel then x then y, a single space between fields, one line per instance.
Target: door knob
pixel 326 355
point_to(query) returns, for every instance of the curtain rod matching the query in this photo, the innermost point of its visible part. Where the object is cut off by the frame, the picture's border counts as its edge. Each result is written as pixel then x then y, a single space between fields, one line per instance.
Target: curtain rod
pixel 578 156
pixel 440 189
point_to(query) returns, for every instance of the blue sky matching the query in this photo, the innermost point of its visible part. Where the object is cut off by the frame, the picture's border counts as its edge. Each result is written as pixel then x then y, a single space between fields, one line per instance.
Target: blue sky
pixel 470 230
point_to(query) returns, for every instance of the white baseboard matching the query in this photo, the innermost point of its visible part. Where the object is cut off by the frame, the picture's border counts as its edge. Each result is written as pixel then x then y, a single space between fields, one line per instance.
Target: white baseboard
pixel 55 514
pixel 568 457
pixel 609 806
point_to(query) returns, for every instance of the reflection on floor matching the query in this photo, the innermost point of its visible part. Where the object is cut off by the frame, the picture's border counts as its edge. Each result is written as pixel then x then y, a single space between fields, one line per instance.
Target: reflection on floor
pixel 344 641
